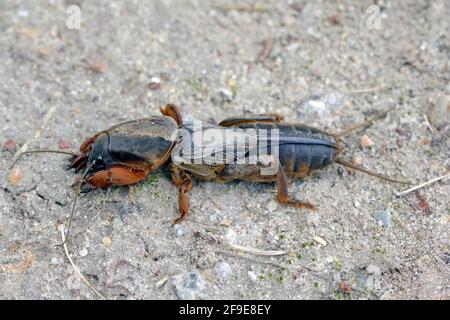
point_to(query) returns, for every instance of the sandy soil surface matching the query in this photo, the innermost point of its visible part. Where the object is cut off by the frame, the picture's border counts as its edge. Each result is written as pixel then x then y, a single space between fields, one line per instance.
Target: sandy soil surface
pixel 327 65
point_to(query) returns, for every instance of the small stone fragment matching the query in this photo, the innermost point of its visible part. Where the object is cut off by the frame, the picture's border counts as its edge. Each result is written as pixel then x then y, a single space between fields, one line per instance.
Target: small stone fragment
pixel 320 241
pixel 106 241
pixel 178 230
pixel 223 270
pixel 252 276
pixel 373 270
pixel 226 95
pixel 439 112
pixel 83 252
pixel 154 84
pixel 383 217
pixel 366 142
pixel 272 206
pixel 98 67
pixel 232 83
pixel 63 144
pixel 15 175
pixel 313 219
pixel 188 286
pixel 9 145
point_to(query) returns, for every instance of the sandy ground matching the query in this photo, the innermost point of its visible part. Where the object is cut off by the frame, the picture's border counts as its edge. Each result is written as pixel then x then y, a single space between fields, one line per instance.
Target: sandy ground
pixel 327 65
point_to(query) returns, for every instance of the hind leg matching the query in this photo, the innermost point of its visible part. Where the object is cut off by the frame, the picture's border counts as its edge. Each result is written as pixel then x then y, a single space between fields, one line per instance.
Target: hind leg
pixel 282 192
pixel 265 169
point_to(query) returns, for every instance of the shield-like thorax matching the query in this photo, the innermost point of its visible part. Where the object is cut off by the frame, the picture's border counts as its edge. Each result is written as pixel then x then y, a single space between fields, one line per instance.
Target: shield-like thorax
pixel 140 143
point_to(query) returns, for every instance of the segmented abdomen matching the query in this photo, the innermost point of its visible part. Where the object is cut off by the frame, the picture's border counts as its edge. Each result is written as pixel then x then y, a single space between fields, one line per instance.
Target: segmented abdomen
pixel 301 148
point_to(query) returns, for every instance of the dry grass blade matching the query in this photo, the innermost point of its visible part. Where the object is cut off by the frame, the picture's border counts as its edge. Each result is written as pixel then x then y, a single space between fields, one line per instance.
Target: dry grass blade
pixel 257 251
pixel 423 185
pixel 77 270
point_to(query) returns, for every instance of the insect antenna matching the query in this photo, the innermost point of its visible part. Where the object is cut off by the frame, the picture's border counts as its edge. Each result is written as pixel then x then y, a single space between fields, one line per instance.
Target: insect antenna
pixel 357 168
pixel 77 193
pixel 42 151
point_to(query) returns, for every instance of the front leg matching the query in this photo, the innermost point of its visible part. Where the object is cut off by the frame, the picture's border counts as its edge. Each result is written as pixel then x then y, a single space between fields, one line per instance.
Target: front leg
pixel 183 181
pixel 114 176
pixel 172 111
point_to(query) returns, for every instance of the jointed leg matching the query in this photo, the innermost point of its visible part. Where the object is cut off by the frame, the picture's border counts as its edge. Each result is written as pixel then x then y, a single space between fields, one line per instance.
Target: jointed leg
pixel 172 111
pixel 282 192
pixel 257 118
pixel 183 181
pixel 249 171
pixel 114 176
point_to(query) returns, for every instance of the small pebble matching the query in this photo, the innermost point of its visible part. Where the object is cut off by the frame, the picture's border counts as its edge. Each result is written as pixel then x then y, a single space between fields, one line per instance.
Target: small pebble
pixel 63 144
pixel 15 175
pixel 252 276
pixel 83 252
pixel 178 230
pixel 366 142
pixel 55 261
pixel 106 241
pixel 98 67
pixel 226 94
pixel 9 145
pixel 223 270
pixel 22 13
pixel 383 217
pixel 439 112
pixel 232 83
pixel 188 286
pixel 373 269
pixel 154 84
pixel 320 241
pixel 313 219
pixel 272 206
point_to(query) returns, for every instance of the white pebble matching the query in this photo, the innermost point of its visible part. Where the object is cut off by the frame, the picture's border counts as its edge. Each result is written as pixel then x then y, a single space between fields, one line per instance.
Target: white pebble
pixel 83 252
pixel 373 269
pixel 320 241
pixel 178 230
pixel 223 270
pixel 272 206
pixel 252 276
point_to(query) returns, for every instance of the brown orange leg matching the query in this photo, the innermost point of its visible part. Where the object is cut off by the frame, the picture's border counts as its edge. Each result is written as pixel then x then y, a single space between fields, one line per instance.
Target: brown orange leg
pixel 172 111
pixel 257 118
pixel 86 145
pixel 80 161
pixel 183 181
pixel 282 192
pixel 114 176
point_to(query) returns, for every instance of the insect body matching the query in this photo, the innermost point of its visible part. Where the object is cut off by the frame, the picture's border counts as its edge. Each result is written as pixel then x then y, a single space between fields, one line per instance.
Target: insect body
pixel 126 153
